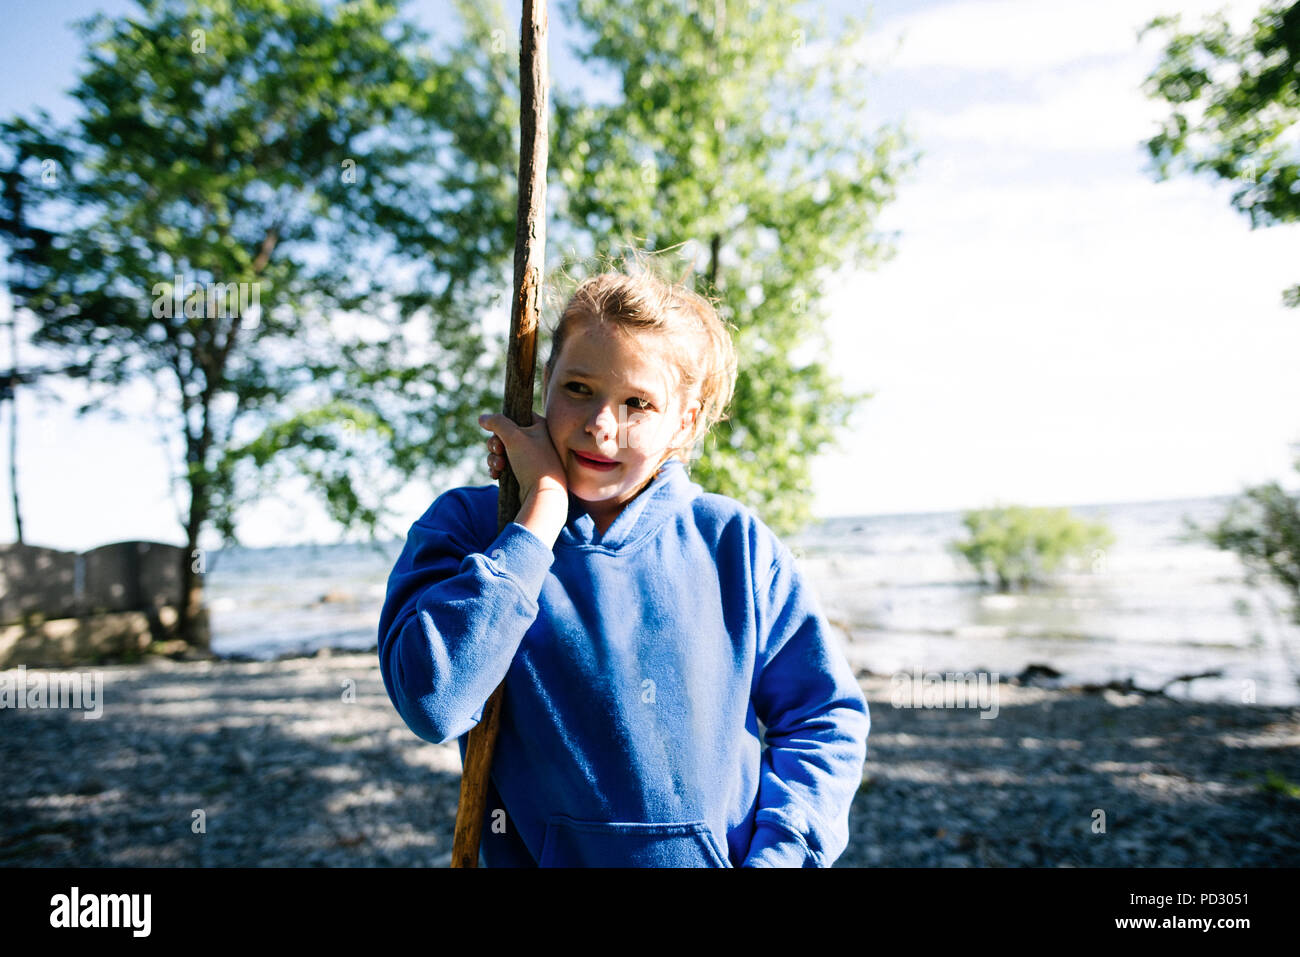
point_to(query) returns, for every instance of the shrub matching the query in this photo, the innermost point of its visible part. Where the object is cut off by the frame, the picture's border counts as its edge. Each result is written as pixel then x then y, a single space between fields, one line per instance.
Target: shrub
pixel 1262 526
pixel 1014 546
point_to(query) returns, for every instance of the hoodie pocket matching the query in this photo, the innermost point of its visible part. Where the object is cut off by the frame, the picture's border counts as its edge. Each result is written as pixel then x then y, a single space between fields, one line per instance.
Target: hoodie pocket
pixel 571 843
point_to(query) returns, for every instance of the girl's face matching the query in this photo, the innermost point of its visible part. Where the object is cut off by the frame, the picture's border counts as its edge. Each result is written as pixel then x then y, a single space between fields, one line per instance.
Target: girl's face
pixel 613 412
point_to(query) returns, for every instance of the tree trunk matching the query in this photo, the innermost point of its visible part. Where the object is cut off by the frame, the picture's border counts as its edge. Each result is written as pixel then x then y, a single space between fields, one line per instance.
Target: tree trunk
pixel 13 386
pixel 190 626
pixel 13 438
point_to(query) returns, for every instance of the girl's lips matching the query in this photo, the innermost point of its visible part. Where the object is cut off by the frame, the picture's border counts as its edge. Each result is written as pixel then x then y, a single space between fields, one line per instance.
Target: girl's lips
pixel 599 465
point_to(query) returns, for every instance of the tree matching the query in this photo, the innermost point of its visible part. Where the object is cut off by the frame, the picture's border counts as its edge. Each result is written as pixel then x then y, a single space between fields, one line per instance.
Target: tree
pixel 739 143
pixel 1018 546
pixel 1236 106
pixel 1246 91
pixel 339 209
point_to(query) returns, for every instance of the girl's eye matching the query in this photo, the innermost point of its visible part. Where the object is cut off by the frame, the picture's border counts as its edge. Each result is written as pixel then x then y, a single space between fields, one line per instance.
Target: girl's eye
pixel 637 403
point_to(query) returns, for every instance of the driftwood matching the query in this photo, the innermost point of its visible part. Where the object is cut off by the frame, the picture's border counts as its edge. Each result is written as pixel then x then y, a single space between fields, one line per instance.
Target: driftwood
pixel 521 362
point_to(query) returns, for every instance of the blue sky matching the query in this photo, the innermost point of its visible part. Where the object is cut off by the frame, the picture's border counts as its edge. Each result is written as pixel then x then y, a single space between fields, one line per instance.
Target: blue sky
pixel 1056 327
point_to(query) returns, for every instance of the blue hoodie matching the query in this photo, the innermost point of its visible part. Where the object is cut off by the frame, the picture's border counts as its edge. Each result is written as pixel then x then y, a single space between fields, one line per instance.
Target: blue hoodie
pixel 638 666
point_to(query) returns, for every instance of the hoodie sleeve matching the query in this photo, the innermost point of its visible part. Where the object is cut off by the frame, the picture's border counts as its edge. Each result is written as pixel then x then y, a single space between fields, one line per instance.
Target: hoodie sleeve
pixel 454 616
pixel 816 722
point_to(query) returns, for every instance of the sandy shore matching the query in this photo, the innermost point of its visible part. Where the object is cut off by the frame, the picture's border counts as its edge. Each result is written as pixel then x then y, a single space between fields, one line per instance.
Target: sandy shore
pixel 305 762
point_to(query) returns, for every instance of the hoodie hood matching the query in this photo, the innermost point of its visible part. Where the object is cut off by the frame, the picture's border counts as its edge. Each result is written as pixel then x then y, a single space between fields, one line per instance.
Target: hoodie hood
pixel 670 488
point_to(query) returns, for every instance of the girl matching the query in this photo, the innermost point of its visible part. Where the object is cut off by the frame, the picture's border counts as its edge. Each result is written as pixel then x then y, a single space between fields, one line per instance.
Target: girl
pixel 644 628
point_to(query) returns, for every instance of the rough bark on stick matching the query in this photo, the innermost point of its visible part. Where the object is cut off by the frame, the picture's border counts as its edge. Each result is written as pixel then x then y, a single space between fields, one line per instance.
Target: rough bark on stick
pixel 521 361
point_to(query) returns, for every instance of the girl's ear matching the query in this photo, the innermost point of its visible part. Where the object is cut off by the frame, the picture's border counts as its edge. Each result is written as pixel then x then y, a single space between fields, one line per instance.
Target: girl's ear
pixel 689 416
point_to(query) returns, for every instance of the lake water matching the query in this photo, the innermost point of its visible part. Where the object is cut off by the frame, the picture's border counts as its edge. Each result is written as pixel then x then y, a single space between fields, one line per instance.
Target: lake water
pixel 1152 608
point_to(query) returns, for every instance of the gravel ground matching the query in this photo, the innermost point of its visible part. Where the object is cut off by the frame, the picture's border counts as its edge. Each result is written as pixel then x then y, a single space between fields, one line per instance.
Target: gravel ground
pixel 305 762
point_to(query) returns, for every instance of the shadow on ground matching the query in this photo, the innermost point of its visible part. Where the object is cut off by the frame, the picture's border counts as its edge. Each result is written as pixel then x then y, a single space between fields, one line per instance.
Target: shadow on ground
pixel 1067 778
pixel 304 762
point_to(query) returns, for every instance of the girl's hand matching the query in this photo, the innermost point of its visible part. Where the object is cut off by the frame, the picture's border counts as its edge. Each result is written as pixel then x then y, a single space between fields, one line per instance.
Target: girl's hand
pixel 496 460
pixel 543 490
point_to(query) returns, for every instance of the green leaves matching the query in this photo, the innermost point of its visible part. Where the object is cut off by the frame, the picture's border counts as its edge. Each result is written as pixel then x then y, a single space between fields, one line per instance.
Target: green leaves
pixel 1016 546
pixel 313 150
pixel 740 127
pixel 1236 105
pixel 1262 526
pixel 369 188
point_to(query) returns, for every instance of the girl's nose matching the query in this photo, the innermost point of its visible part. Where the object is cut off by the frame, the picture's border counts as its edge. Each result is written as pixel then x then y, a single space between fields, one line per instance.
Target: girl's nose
pixel 603 423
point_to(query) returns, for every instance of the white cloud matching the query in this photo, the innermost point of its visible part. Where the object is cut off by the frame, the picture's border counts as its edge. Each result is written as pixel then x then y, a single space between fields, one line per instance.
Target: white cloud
pixel 1092 108
pixel 1022 37
pixel 1111 339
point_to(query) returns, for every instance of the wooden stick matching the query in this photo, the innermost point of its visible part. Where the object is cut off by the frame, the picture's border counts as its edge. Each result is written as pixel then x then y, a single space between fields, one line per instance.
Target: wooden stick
pixel 521 363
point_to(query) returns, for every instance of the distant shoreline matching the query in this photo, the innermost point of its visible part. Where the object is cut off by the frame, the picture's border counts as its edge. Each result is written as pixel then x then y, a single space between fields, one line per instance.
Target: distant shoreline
pixel 1127 503
pixel 816 520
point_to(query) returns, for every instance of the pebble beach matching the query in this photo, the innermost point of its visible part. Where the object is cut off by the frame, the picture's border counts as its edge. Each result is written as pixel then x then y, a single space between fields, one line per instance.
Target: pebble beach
pixel 304 762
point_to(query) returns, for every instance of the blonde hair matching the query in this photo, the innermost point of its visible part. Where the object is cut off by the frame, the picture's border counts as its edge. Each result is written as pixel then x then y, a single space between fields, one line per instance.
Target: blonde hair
pixel 698 340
